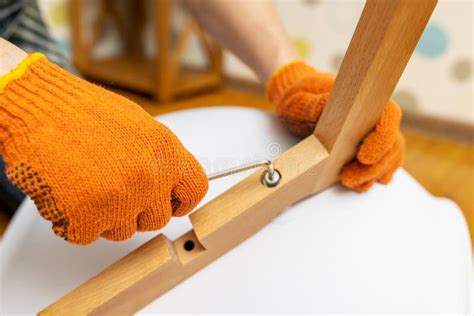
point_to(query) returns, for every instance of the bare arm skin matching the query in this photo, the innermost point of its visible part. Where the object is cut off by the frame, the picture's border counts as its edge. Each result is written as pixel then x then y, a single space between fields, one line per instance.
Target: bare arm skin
pixel 251 29
pixel 10 56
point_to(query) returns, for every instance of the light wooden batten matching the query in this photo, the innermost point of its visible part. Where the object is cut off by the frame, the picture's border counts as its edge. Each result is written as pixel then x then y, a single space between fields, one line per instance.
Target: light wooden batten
pixel 383 42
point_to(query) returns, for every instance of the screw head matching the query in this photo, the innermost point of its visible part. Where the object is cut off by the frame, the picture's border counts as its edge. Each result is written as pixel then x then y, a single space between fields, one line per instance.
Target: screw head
pixel 270 180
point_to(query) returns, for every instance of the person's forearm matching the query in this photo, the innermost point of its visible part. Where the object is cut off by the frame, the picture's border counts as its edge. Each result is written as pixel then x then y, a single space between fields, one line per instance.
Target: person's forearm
pixel 10 56
pixel 251 29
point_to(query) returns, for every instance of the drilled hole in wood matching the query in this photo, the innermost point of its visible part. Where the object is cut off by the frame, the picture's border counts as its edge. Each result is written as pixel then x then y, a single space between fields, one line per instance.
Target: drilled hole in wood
pixel 188 245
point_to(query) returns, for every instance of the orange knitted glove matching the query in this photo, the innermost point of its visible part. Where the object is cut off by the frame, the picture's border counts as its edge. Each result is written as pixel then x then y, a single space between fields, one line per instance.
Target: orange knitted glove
pixel 94 163
pixel 299 94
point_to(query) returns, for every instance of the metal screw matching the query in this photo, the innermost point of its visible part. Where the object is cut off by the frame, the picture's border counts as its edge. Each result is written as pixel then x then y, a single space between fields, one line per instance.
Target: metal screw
pixel 270 177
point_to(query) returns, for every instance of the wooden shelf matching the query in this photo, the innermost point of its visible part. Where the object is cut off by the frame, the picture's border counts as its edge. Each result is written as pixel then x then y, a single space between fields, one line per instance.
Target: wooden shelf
pixel 139 75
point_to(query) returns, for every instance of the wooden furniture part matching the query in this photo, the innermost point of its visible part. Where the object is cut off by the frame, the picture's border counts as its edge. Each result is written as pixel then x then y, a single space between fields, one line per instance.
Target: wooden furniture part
pixel 384 39
pixel 164 76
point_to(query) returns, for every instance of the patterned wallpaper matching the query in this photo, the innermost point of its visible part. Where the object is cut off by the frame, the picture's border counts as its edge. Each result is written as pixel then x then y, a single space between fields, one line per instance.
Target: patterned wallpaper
pixel 438 80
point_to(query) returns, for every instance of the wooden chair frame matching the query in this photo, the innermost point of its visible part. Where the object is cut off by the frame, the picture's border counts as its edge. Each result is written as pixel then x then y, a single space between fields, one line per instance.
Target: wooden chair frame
pixel 382 44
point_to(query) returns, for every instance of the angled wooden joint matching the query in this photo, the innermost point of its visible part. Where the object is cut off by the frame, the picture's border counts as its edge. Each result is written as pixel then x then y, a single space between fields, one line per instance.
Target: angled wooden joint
pixel 381 46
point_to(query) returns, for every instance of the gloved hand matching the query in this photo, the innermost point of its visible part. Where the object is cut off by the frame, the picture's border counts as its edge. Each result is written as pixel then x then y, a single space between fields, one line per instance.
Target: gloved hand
pixel 94 163
pixel 299 94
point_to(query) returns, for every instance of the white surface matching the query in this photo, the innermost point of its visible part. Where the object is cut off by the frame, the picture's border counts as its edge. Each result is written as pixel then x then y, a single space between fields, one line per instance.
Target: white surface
pixel 393 249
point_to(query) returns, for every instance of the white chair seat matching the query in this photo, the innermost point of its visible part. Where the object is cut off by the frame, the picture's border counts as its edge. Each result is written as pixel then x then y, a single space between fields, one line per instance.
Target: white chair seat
pixel 393 249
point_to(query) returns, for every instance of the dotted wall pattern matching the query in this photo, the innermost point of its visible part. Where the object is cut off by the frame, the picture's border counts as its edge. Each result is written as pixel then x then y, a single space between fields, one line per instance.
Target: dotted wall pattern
pixel 433 43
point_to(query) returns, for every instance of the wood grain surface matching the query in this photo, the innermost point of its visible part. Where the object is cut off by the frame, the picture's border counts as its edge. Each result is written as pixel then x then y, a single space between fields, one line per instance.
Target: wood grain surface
pixel 384 39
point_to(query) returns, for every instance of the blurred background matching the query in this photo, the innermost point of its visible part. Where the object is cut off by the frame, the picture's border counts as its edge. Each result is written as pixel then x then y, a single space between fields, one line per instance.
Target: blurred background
pixel 321 31
pixel 153 52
